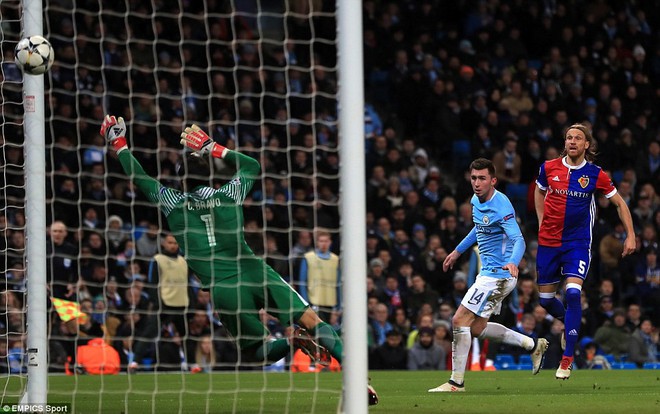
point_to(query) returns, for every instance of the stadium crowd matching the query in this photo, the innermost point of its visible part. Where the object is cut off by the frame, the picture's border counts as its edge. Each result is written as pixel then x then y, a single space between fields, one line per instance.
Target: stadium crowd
pixel 446 82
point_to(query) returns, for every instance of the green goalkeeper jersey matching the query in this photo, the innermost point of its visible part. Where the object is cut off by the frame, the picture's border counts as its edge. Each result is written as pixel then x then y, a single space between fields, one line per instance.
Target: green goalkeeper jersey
pixel 207 222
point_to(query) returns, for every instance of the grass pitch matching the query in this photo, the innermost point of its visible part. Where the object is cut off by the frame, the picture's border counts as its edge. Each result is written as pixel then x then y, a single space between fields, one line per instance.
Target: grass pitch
pixel 401 392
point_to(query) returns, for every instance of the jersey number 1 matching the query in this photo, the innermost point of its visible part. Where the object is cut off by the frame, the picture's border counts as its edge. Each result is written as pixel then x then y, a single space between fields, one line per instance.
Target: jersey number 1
pixel 210 234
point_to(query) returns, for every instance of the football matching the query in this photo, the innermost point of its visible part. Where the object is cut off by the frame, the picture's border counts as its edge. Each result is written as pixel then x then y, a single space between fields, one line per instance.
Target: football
pixel 34 55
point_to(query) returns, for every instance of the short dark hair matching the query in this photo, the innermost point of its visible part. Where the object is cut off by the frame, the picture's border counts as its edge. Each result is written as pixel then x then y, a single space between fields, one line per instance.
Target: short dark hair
pixel 194 170
pixel 483 163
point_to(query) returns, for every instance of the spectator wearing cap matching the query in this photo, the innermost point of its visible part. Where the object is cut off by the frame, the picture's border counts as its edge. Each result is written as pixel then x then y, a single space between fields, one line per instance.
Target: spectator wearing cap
pixel 442 334
pixel 466 85
pixel 392 354
pixel 377 272
pixel 613 337
pixel 590 355
pixel 426 354
pixel 590 111
pixel 418 240
pixel 116 234
pixel 420 167
pixel 466 51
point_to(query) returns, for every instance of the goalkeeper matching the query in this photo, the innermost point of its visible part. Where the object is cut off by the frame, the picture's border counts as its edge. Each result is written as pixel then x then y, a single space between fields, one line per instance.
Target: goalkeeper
pixel 208 225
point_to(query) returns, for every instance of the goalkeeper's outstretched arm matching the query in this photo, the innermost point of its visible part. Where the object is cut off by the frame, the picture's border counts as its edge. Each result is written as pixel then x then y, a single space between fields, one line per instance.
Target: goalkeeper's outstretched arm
pixel 247 168
pixel 114 131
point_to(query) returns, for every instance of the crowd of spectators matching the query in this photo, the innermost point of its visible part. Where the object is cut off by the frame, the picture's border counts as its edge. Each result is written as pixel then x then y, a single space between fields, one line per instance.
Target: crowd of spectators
pixel 445 82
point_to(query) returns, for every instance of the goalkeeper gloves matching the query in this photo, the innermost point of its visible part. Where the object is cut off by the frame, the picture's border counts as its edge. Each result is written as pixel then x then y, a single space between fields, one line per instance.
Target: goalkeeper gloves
pixel 197 140
pixel 114 131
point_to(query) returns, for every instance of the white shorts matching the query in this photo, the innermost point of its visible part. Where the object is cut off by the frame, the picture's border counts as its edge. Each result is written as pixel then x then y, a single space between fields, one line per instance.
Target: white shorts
pixel 485 296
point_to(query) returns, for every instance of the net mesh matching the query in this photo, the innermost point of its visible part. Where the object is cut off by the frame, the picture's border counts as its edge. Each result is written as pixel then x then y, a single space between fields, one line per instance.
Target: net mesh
pixel 12 192
pixel 259 76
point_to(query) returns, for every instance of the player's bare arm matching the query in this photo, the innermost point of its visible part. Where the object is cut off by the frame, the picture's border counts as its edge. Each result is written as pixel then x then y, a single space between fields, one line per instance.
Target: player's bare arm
pixel 450 260
pixel 622 209
pixel 539 203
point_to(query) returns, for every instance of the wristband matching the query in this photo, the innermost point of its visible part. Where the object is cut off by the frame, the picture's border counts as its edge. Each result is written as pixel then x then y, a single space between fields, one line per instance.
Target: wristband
pixel 218 151
pixel 119 144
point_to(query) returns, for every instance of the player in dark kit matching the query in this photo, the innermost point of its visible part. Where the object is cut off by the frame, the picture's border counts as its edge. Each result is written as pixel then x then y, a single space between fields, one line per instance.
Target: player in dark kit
pixel 566 208
pixel 208 225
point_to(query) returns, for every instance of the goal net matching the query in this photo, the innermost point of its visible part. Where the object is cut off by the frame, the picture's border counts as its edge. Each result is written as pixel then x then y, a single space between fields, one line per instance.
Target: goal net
pixel 259 77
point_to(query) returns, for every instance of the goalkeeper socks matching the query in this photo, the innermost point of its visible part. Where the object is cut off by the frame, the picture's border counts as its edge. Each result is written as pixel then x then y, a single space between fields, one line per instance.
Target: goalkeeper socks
pixel 329 339
pixel 273 350
pixel 501 333
pixel 460 347
pixel 552 305
pixel 573 317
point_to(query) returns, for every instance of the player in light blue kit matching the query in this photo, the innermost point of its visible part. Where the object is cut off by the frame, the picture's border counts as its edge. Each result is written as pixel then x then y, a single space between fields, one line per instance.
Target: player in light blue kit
pixel 501 245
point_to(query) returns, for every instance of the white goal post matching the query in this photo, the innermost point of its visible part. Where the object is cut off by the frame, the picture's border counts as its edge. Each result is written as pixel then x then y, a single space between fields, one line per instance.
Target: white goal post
pixel 35 220
pixel 353 205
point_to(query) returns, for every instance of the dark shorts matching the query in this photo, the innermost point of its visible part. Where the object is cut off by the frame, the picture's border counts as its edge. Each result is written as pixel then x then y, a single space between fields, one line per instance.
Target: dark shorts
pixel 553 263
pixel 238 301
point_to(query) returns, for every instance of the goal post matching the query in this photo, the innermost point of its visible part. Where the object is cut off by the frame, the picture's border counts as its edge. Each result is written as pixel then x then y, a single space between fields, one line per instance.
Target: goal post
pixel 35 219
pixel 352 203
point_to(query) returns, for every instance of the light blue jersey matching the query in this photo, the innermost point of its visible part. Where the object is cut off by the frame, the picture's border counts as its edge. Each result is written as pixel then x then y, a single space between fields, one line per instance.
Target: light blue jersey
pixel 497 233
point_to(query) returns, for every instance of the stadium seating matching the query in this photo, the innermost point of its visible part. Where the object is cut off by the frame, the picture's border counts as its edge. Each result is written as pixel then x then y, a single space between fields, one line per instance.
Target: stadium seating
pixel 651 365
pixel 524 367
pixel 461 154
pixel 505 362
pixel 624 365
